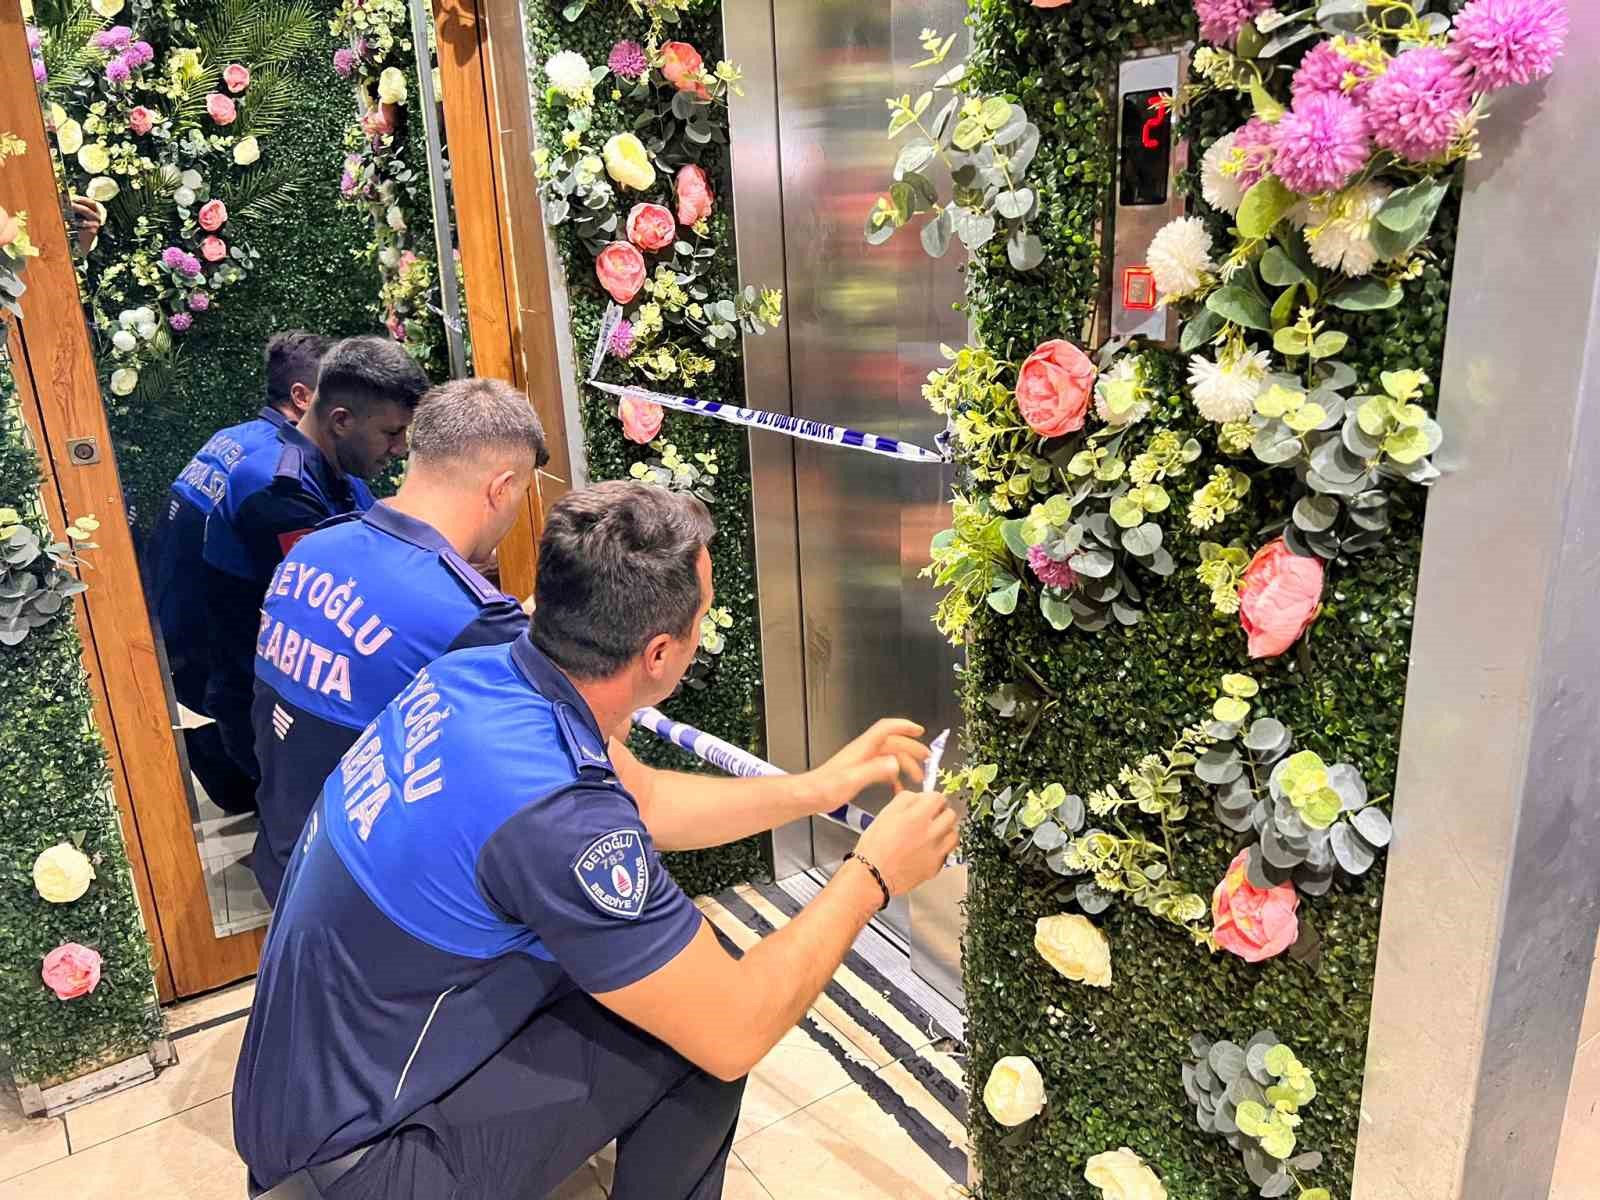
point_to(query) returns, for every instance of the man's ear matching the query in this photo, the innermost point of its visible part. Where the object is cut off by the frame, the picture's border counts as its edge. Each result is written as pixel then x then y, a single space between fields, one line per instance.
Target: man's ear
pixel 657 651
pixel 341 420
pixel 502 489
pixel 300 398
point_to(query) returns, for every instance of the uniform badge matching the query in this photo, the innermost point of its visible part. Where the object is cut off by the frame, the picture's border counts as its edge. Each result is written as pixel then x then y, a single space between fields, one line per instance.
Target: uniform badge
pixel 614 872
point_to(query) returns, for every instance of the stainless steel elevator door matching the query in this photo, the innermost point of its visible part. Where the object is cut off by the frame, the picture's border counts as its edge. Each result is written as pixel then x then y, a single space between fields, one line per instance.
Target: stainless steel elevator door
pixel 864 327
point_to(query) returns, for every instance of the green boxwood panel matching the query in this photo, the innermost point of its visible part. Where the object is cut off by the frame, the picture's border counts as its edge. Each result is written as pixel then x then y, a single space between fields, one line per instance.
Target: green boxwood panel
pixel 53 787
pixel 1111 1058
pixel 730 706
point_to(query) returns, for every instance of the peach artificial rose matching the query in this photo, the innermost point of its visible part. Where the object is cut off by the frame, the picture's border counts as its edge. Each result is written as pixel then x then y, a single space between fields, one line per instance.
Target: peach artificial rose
pixel 1123 1175
pixel 236 76
pixel 650 227
pixel 1278 598
pixel 213 249
pixel 62 873
pixel 682 67
pixel 71 970
pixel 1014 1091
pixel 1072 944
pixel 641 420
pixel 1054 388
pixel 695 202
pixel 141 120
pixel 620 269
pixel 1050 3
pixel 1252 923
pixel 213 215
pixel 221 109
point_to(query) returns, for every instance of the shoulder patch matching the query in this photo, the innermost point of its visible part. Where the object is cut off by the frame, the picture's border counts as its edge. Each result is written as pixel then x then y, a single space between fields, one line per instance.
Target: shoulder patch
pixel 484 592
pixel 614 872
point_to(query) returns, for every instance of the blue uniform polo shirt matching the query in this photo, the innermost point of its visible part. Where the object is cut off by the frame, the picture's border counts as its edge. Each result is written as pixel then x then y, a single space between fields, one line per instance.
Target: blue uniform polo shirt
pixel 174 565
pixel 472 859
pixel 276 495
pixel 350 617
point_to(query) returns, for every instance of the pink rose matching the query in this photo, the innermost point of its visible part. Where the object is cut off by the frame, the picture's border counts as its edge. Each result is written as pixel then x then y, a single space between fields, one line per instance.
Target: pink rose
pixel 213 249
pixel 1278 598
pixel 71 970
pixel 682 67
pixel 236 76
pixel 1054 388
pixel 213 214
pixel 10 228
pixel 221 109
pixel 396 327
pixel 141 120
pixel 641 420
pixel 378 122
pixel 407 260
pixel 650 227
pixel 1252 923
pixel 620 269
pixel 1049 3
pixel 695 201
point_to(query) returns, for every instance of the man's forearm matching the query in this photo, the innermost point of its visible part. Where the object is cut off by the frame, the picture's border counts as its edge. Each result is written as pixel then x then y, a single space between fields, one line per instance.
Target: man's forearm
pixel 781 978
pixel 692 812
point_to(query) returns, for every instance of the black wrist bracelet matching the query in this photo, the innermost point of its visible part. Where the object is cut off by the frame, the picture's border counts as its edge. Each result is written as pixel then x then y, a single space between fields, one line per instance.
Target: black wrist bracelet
pixel 876 874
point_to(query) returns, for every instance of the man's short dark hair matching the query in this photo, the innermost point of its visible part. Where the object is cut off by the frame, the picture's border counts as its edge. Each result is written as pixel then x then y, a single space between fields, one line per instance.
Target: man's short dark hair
pixel 618 564
pixel 360 372
pixel 293 357
pixel 465 418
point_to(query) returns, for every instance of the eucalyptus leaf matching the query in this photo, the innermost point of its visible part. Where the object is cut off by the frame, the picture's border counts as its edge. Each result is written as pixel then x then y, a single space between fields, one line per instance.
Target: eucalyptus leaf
pixel 1346 780
pixel 1373 826
pixel 1219 765
pixel 1024 250
pixel 1049 836
pixel 973 228
pixel 913 155
pixel 1011 532
pixel 1021 154
pixel 1278 1185
pixel 1199 329
pixel 1265 735
pixel 1283 41
pixel 1093 899
pixel 1004 599
pixel 1403 209
pixel 1366 295
pixel 1055 610
pixel 1255 1060
pixel 1227 1061
pixel 1351 852
pixel 1278 269
pixel 1314 514
pixel 1264 205
pixel 1142 541
pixel 1014 205
pixel 1241 306
pixel 937 233
pixel 1096 564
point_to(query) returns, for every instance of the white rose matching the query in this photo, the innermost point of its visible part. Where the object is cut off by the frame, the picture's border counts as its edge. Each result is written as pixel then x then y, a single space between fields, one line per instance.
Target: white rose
pixel 247 151
pixel 191 178
pixel 124 381
pixel 1123 1175
pixel 94 157
pixel 102 188
pixel 392 86
pixel 147 329
pixel 69 136
pixel 124 341
pixel 144 314
pixel 107 8
pixel 1015 1090
pixel 396 218
pixel 1074 946
pixel 127 318
pixel 62 873
pixel 183 197
pixel 389 257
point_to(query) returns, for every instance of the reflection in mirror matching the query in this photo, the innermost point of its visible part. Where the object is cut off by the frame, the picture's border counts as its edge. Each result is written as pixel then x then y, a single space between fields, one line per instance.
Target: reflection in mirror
pixel 234 170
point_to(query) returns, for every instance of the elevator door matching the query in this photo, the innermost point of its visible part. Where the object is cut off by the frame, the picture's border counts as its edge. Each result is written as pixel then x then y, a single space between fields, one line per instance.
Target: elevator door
pixel 864 328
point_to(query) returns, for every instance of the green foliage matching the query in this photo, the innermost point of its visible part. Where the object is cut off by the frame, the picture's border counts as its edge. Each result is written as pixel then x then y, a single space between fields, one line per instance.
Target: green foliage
pixel 54 787
pixel 731 707
pixel 1110 1056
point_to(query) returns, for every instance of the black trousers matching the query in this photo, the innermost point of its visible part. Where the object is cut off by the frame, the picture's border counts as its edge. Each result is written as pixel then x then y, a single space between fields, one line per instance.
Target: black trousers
pixel 572 1080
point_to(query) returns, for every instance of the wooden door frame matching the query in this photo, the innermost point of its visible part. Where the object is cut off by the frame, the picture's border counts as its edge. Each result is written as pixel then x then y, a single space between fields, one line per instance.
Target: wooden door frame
pixel 488 123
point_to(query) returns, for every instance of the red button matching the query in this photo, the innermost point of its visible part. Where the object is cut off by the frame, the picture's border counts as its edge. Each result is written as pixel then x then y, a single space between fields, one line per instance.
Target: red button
pixel 1139 288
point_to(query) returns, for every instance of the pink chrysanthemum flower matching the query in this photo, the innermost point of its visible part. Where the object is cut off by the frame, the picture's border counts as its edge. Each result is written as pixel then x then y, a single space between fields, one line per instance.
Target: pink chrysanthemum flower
pixel 1050 572
pixel 628 60
pixel 1508 42
pixel 199 301
pixel 117 70
pixel 1258 142
pixel 1322 141
pixel 1221 20
pixel 1417 106
pixel 1322 72
pixel 344 61
pixel 180 322
pixel 621 342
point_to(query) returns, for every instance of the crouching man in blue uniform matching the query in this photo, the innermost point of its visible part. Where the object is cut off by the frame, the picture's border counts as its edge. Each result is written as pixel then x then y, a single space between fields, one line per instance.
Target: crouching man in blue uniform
pixel 355 426
pixel 174 569
pixel 364 603
pixel 478 973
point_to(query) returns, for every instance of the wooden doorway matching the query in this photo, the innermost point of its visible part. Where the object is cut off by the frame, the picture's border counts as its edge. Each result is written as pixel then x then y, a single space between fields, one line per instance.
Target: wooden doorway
pixel 486 116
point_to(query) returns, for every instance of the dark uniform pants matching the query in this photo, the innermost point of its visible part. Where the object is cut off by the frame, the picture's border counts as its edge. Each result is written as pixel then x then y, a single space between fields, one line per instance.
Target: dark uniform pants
pixel 576 1077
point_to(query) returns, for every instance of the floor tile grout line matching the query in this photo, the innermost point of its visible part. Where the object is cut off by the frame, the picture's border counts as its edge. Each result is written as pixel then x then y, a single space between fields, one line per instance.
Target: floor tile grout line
pixel 759 1182
pixel 773 1124
pixel 177 1112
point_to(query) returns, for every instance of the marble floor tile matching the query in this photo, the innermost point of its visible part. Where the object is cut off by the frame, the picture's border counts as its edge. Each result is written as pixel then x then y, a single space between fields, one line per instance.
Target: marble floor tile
pixel 204 1072
pixel 26 1143
pixel 796 1072
pixel 843 1147
pixel 223 1002
pixel 1577 1175
pixel 189 1156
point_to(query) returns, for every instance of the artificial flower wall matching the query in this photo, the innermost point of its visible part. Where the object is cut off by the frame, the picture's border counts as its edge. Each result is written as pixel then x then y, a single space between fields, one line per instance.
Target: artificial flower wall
pixel 631 99
pixel 1184 578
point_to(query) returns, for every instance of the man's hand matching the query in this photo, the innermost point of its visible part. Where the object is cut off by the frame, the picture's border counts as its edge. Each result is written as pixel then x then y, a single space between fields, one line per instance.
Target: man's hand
pixel 910 839
pixel 888 753
pixel 89 216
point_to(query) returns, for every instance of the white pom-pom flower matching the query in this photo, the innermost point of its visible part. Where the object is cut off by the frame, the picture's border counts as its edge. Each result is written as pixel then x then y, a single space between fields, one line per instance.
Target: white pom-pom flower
pixel 1180 257
pixel 1221 190
pixel 1339 229
pixel 1226 390
pixel 568 73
